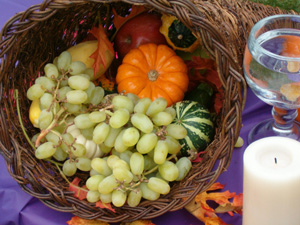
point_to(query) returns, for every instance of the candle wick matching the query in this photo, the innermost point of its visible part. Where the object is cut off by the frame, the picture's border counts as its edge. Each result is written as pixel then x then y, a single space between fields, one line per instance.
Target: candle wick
pixel 275 160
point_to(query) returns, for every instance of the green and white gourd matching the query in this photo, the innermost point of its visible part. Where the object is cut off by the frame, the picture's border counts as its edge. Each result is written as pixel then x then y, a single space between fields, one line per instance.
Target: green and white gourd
pixel 196 119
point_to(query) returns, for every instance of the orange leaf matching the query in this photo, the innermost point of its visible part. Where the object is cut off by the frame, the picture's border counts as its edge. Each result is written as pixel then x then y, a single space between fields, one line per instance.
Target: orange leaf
pixel 103 46
pixel 105 206
pixel 139 222
pixel 208 215
pixel 214 221
pixel 197 157
pixel 229 208
pixel 79 192
pixel 221 198
pixel 75 220
pixel 120 20
pixel 217 197
pixel 204 70
pixel 199 62
pixel 107 84
pixel 216 186
pixel 238 200
pixel 219 98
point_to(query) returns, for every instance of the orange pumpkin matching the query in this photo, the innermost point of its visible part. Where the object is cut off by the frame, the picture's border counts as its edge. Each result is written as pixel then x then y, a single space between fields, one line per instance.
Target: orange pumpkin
pixel 153 71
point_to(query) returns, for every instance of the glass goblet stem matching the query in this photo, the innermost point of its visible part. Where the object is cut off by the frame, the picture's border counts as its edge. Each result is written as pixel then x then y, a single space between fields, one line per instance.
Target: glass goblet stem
pixel 282 124
pixel 284 121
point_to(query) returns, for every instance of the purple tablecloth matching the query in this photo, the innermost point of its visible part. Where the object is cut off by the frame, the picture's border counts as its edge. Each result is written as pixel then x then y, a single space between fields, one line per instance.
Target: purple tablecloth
pixel 17 207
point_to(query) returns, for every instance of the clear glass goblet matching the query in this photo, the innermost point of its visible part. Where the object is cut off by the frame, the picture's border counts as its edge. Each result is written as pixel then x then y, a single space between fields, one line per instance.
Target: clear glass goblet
pixel 272 70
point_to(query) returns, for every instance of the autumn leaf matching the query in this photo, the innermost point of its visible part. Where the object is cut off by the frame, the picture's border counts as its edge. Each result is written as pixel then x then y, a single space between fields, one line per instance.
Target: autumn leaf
pixel 118 20
pixel 139 222
pixel 213 77
pixel 197 157
pixel 238 203
pixel 214 221
pixel 79 192
pixel 199 62
pixel 218 104
pixel 203 70
pixel 75 220
pixel 209 218
pixel 105 206
pixel 235 207
pixel 106 84
pixel 207 214
pixel 104 48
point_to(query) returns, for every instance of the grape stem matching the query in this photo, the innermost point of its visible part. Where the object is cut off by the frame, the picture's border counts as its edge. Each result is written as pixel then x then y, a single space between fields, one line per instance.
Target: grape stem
pixel 156 167
pixel 61 172
pixel 59 137
pixel 55 92
pixel 107 107
pixel 142 179
pixel 55 163
pixel 16 97
pixel 161 133
pixel 108 112
pixel 49 128
pixel 55 122
pixel 132 186
pixel 64 119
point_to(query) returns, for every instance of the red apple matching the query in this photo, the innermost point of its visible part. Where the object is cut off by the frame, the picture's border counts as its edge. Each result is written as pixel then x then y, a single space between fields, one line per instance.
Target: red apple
pixel 139 30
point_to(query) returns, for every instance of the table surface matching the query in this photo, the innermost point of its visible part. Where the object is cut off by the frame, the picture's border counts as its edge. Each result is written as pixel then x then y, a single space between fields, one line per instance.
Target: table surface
pixel 17 207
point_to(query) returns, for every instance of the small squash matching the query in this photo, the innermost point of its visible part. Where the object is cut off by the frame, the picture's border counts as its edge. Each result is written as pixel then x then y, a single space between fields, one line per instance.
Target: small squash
pixel 197 120
pixel 82 52
pixel 153 71
pixel 178 36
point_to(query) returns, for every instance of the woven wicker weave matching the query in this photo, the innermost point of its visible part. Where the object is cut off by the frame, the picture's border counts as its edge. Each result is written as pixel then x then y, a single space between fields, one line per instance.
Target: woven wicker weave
pixel 36 36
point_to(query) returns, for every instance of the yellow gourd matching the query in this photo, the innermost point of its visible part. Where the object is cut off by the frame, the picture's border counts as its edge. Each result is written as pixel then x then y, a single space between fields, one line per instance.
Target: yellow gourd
pixel 83 51
pixel 34 112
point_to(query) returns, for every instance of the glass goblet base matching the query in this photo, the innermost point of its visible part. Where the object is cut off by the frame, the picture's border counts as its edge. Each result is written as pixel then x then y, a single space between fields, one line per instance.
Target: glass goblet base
pixel 267 128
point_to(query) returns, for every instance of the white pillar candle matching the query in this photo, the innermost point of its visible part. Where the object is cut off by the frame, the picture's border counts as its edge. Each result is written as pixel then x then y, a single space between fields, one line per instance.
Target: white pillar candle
pixel 271 184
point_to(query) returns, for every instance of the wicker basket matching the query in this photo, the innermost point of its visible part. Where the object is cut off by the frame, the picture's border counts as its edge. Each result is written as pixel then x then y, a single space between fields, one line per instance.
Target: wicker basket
pixel 36 36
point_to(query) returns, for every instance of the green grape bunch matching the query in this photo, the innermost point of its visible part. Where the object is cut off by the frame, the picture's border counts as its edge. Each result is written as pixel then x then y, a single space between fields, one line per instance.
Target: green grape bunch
pixel 128 146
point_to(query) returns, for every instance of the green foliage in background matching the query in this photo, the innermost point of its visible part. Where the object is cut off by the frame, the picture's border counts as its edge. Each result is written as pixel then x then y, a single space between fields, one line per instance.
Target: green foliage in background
pixel 283 4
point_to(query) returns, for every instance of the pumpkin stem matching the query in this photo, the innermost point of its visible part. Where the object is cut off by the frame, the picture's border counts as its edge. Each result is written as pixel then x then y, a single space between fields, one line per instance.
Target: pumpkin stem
pixel 153 75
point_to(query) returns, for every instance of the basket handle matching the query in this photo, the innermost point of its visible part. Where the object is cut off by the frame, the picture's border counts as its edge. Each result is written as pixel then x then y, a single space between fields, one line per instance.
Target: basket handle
pixel 229 22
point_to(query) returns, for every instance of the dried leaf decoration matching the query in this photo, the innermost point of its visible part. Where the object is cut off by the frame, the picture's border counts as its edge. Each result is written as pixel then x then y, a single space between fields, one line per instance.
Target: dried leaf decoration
pixel 120 20
pixel 106 84
pixel 75 220
pixel 104 48
pixel 105 206
pixel 139 222
pixel 79 192
pixel 197 157
pixel 206 214
pixel 204 70
pixel 230 208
